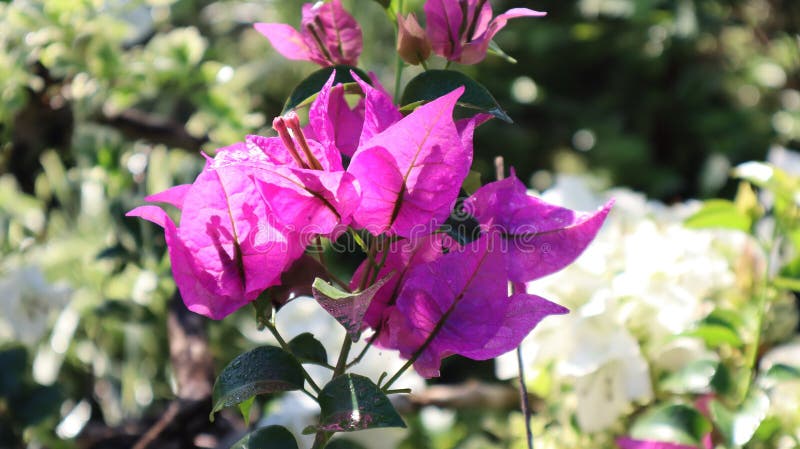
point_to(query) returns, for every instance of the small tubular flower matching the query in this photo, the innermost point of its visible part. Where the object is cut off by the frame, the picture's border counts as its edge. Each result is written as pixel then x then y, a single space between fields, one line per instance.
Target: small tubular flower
pixel 328 35
pixel 461 30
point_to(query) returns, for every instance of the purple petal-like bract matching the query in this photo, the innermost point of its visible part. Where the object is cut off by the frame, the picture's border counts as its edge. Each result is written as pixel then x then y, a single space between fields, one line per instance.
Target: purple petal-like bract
pixel 227 249
pixel 459 304
pixel 328 35
pixel 411 172
pixel 463 35
pixel 629 443
pixel 539 238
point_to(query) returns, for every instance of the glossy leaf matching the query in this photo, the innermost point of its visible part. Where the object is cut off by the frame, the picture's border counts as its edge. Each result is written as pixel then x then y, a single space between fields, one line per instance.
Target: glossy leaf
pixel 308 349
pixel 695 377
pixel 351 402
pixel 738 427
pixel 719 214
pixel 433 84
pixel 675 423
pixel 305 92
pixel 265 369
pixel 270 437
pixel 781 373
pixel 348 308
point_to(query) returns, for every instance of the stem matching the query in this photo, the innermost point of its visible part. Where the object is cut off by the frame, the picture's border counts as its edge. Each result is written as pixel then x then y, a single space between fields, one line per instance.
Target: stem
pixel 321 439
pixel 524 403
pixel 398 74
pixel 274 331
pixel 341 364
pixel 752 352
pixel 363 351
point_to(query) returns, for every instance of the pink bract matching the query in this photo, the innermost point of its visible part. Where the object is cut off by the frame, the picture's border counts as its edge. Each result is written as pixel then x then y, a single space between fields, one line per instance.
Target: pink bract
pixel 462 30
pixel 328 35
pixel 629 443
pixel 227 249
pixel 538 238
pixel 459 304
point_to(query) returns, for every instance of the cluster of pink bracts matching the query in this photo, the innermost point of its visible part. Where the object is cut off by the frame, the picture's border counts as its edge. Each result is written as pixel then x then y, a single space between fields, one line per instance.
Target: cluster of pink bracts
pixel 258 204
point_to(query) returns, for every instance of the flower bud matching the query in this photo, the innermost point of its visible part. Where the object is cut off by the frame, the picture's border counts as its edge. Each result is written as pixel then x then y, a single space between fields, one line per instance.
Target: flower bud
pixel 412 42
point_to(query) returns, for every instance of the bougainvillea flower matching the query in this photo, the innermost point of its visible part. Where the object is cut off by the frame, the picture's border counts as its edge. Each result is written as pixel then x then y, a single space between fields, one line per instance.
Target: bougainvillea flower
pixel 328 35
pixel 411 172
pixel 301 178
pixel 629 443
pixel 539 238
pixel 462 30
pixel 412 42
pixel 398 260
pixel 227 249
pixel 459 304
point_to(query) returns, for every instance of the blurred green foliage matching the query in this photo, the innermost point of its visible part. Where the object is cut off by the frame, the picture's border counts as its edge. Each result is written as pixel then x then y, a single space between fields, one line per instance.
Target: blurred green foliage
pixel 105 101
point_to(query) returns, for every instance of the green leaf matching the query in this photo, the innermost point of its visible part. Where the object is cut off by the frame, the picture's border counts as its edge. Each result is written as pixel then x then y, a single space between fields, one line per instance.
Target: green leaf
pixel 343 443
pixel 781 373
pixel 308 349
pixel 695 377
pixel 433 84
pixel 786 283
pixel 244 408
pixel 738 427
pixel 722 383
pixel 347 308
pixel 674 423
pixel 351 402
pixel 270 437
pixel 715 335
pixel 265 369
pixel 719 214
pixel 305 92
pixel 497 51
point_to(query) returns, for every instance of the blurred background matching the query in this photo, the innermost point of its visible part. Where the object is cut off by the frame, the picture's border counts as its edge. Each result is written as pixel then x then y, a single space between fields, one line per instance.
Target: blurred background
pixel 105 101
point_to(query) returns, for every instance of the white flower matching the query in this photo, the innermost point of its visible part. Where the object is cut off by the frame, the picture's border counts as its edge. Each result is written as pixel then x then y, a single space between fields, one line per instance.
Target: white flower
pixel 27 303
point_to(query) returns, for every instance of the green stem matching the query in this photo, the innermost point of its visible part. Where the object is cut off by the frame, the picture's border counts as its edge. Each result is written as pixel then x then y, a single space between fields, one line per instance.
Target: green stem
pixel 398 74
pixel 752 350
pixel 274 331
pixel 341 364
pixel 363 352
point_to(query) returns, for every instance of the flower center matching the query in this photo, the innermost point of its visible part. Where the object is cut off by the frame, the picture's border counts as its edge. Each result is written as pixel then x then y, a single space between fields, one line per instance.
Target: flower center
pixel 288 129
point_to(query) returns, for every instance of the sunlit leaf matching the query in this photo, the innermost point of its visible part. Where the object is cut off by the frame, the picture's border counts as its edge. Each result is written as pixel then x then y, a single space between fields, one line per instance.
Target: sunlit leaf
pixel 719 214
pixel 739 426
pixel 351 402
pixel 675 423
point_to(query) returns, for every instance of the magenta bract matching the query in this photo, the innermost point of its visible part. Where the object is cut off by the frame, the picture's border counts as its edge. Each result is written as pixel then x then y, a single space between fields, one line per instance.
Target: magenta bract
pixel 629 443
pixel 462 30
pixel 228 248
pixel 538 238
pixel 328 35
pixel 459 304
pixel 410 173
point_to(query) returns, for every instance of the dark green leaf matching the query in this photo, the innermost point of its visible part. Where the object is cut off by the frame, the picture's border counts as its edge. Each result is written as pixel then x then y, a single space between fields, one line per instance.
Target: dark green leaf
pixel 308 349
pixel 343 443
pixel 781 373
pixel 307 90
pixel 38 404
pixel 722 383
pixel 719 214
pixel 433 84
pixel 271 437
pixel 347 308
pixel 738 427
pixel 695 377
pixel 675 423
pixel 265 369
pixel 13 361
pixel 351 402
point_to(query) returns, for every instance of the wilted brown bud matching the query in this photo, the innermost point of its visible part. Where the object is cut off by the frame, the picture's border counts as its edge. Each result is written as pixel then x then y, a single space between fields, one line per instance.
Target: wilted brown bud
pixel 412 42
